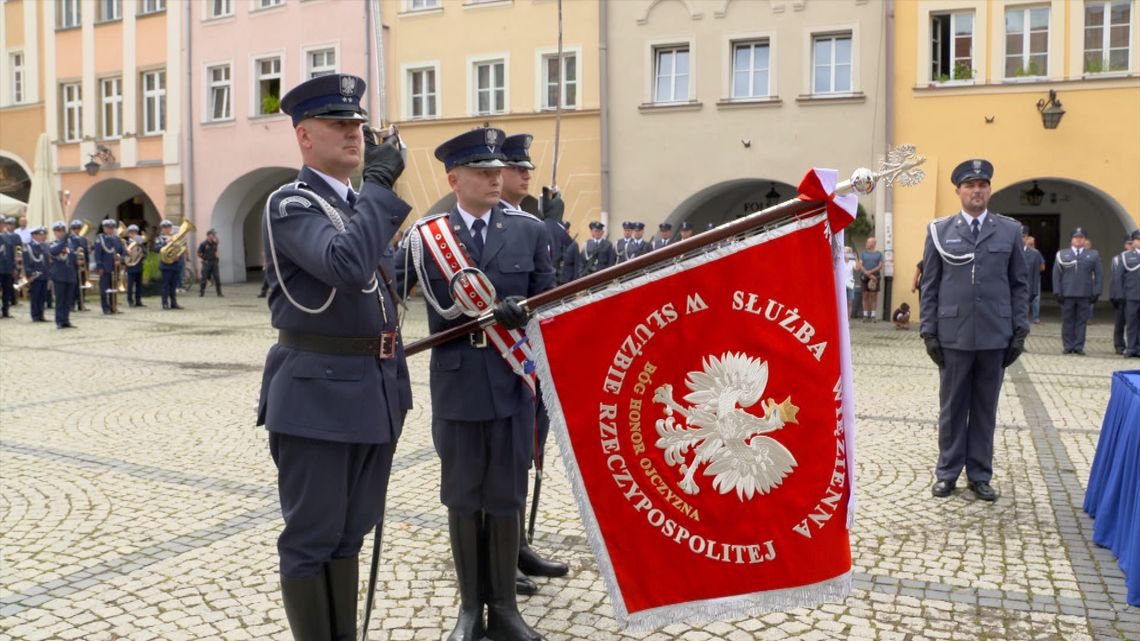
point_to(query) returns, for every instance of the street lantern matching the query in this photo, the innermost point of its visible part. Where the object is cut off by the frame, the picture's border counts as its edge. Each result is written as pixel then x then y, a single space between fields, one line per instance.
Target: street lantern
pixel 103 154
pixel 1033 197
pixel 1051 110
pixel 772 198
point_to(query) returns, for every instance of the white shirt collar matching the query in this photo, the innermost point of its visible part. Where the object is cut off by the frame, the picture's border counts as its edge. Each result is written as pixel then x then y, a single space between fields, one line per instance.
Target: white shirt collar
pixel 469 219
pixel 340 188
pixel 970 219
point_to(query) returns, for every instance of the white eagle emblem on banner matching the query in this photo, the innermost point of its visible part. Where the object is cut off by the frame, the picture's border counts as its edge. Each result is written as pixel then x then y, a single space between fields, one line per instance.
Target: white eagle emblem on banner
pixel 719 431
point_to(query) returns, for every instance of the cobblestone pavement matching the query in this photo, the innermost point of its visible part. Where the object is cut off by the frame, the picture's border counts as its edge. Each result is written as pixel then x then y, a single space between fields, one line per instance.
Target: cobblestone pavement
pixel 138 498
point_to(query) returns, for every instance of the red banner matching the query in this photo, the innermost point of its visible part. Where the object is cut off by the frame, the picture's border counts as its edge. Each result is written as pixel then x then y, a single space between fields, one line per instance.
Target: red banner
pixel 700 414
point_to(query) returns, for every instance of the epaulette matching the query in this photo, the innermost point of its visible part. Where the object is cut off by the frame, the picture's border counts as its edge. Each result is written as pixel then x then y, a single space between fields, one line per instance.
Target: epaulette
pixel 1004 217
pixel 511 211
pixel 430 217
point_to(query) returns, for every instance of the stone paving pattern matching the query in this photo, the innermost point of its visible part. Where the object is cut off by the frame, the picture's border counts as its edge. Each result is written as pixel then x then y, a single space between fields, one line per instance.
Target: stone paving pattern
pixel 137 498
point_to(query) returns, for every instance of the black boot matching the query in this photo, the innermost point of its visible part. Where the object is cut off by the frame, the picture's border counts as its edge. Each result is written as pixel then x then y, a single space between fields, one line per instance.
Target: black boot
pixel 504 623
pixel 530 562
pixel 464 531
pixel 307 606
pixel 524 585
pixel 344 579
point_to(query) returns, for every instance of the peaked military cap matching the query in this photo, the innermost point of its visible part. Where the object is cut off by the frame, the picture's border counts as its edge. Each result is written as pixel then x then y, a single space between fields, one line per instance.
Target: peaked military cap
pixel 625 224
pixel 686 225
pixel 132 228
pixel 1025 230
pixel 597 224
pixel 107 222
pixel 517 150
pixel 639 226
pixel 40 230
pixel 481 148
pixel 59 225
pixel 975 169
pixel 665 226
pixel 10 221
pixel 1079 231
pixel 1136 235
pixel 165 223
pixel 76 224
pixel 335 96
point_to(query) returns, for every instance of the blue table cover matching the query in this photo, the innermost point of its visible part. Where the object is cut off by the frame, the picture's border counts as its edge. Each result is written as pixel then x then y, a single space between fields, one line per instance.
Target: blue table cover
pixel 1113 494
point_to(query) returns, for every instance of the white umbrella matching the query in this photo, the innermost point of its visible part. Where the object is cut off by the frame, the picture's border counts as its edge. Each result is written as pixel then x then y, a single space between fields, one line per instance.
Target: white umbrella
pixel 11 207
pixel 43 201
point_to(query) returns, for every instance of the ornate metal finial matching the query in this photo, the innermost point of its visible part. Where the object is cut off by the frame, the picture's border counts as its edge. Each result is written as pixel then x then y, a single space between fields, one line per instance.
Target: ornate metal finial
pixel 900 165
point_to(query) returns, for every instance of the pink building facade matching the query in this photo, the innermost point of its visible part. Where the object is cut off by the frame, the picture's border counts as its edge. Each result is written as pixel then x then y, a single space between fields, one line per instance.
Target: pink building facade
pixel 244 55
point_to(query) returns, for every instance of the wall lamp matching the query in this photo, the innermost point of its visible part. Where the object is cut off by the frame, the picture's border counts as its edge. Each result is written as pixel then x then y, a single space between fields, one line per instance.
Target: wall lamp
pixel 103 155
pixel 1051 110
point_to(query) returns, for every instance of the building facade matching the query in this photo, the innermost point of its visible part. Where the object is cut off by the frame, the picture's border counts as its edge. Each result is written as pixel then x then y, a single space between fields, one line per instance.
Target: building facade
pixel 717 108
pixel 969 76
pixel 21 94
pixel 457 64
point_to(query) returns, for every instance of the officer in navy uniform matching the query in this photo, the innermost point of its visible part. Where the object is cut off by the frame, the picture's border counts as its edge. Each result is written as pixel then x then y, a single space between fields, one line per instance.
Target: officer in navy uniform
pixel 483 413
pixel 623 242
pixel 597 252
pixel 335 388
pixel 664 235
pixel 687 230
pixel 1077 284
pixel 516 180
pixel 570 266
pixel 169 271
pixel 36 263
pixel 1034 265
pixel 80 245
pixel 62 271
pixel 109 251
pixel 638 246
pixel 1129 276
pixel 135 272
pixel 974 304
pixel 8 242
pixel 1116 296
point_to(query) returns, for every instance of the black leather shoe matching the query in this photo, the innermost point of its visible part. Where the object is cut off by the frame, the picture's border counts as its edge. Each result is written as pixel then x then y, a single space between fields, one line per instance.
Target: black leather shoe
pixel 176 306
pixel 942 488
pixel 983 491
pixel 1079 352
pixel 524 585
pixel 534 565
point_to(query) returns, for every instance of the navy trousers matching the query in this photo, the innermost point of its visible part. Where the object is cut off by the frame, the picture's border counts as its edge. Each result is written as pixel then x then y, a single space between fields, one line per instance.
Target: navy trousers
pixel 968 393
pixel 484 463
pixel 134 288
pixel 7 292
pixel 1118 341
pixel 104 286
pixel 1132 315
pixel 169 287
pixel 37 296
pixel 64 294
pixel 1075 313
pixel 332 494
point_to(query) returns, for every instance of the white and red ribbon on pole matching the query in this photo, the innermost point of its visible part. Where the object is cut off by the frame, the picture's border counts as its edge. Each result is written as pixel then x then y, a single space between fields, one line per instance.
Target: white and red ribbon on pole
pixel 819 184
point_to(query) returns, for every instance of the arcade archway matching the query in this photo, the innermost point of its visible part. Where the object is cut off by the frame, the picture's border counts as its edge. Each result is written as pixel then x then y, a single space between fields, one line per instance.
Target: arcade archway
pixel 119 200
pixel 15 177
pixel 729 200
pixel 237 218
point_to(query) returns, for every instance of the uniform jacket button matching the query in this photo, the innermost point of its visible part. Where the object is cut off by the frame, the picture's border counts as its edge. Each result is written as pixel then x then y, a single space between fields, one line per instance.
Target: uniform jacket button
pixel 328 371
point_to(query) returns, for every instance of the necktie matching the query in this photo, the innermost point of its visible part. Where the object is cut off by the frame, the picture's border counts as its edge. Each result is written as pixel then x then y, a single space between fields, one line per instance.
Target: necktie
pixel 477 237
pixel 974 227
pixel 351 199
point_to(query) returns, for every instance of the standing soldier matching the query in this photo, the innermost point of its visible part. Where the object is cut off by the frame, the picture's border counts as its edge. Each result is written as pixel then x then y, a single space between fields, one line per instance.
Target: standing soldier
pixel 335 388
pixel 638 245
pixel 136 254
pixel 1035 265
pixel 1130 287
pixel 8 243
pixel 109 252
pixel 170 271
pixel 597 253
pixel 36 270
pixel 63 279
pixel 483 412
pixel 664 235
pixel 623 243
pixel 974 297
pixel 686 230
pixel 1077 285
pixel 1116 296
pixel 82 250
pixel 208 253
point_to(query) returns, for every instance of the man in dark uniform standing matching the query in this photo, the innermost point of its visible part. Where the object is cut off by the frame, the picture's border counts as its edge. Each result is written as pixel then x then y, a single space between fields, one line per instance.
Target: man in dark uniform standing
pixel 664 235
pixel 169 271
pixel 62 271
pixel 8 242
pixel 686 230
pixel 36 262
pixel 974 298
pixel 623 243
pixel 1076 284
pixel 208 254
pixel 1130 294
pixel 335 387
pixel 81 247
pixel 1034 265
pixel 1116 296
pixel 638 246
pixel 483 410
pixel 135 271
pixel 109 251
pixel 597 253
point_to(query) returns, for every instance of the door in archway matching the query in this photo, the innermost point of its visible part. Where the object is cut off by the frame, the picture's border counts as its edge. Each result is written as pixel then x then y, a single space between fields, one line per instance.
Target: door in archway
pixel 1046 230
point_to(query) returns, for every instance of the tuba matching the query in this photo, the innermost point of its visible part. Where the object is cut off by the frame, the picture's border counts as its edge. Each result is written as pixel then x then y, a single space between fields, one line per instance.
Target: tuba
pixel 135 250
pixel 178 244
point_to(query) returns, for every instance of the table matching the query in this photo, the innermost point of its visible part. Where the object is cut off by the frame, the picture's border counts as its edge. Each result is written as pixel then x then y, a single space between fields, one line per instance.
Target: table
pixel 1113 494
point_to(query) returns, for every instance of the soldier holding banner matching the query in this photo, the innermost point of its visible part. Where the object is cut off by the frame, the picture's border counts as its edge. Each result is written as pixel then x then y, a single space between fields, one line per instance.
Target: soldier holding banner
pixel 482 388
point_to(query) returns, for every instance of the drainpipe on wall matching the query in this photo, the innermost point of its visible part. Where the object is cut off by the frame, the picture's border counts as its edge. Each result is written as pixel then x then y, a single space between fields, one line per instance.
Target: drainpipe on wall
pixel 188 124
pixel 889 133
pixel 368 50
pixel 603 102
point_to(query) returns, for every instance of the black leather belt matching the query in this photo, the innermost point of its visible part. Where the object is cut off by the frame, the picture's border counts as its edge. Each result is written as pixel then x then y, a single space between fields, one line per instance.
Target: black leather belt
pixel 382 346
pixel 478 339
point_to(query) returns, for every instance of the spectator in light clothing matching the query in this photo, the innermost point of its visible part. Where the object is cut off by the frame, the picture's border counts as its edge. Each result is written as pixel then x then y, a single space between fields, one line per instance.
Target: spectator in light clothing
pixel 849 264
pixel 871 266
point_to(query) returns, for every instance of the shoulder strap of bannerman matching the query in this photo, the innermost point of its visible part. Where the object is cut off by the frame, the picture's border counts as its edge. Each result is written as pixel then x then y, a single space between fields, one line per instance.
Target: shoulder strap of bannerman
pixel 951 259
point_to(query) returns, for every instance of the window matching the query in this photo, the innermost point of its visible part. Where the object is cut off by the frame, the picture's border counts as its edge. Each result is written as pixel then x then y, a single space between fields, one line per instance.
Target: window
pixel 952 46
pixel 111 98
pixel 1026 42
pixel 16 73
pixel 68 14
pixel 220 8
pixel 420 5
pixel 750 66
pixel 490 87
pixel 110 10
pixel 267 72
pixel 322 62
pixel 552 75
pixel 72 111
pixel 421 92
pixel 154 102
pixel 1107 26
pixel 152 6
pixel 269 4
pixel 671 74
pixel 219 91
pixel 831 64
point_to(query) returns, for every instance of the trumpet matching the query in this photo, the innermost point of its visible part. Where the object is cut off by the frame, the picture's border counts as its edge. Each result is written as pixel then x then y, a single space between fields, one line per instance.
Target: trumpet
pixel 25 281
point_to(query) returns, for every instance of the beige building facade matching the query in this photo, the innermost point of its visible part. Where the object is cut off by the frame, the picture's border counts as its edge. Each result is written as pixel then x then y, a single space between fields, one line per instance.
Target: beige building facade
pixel 21 93
pixel 717 108
pixel 452 65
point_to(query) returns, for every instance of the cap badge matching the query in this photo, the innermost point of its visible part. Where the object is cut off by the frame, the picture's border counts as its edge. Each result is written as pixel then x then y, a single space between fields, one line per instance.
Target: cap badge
pixel 977 165
pixel 491 136
pixel 347 86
